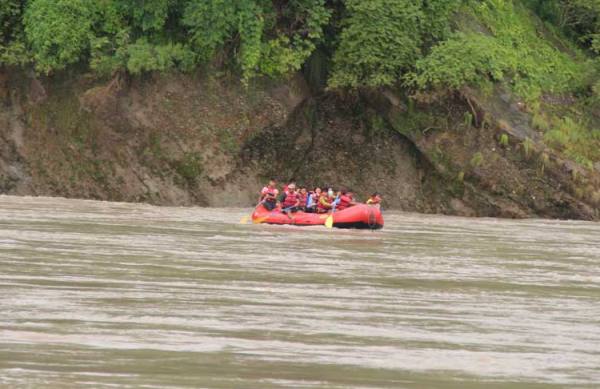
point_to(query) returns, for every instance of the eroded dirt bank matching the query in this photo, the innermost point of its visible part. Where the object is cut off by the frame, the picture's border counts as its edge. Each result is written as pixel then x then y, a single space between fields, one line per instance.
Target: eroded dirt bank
pixel 206 140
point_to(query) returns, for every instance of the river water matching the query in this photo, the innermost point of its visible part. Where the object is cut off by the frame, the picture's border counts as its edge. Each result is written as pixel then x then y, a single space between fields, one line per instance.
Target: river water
pixel 98 294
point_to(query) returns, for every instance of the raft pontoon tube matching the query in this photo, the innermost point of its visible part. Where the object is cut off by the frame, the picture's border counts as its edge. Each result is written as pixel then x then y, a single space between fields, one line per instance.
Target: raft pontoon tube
pixel 360 216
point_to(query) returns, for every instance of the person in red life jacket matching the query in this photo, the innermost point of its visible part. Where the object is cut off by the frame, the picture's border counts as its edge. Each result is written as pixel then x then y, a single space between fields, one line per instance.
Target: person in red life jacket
pixel 287 186
pixel 313 200
pixel 268 195
pixel 290 200
pixel 375 199
pixel 302 197
pixel 326 201
pixel 346 200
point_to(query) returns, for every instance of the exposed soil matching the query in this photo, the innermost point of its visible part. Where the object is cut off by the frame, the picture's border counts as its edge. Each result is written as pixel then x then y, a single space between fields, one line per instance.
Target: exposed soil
pixel 206 140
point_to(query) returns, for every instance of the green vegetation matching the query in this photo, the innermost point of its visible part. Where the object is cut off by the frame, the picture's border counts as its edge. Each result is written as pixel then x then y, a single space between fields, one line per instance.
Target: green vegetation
pixel 477 160
pixel 254 36
pixel 544 161
pixel 12 43
pixel 381 39
pixel 370 43
pixel 580 19
pixel 527 147
pixel 363 57
pixel 58 32
pixel 576 140
pixel 534 48
pixel 189 168
pixel 513 51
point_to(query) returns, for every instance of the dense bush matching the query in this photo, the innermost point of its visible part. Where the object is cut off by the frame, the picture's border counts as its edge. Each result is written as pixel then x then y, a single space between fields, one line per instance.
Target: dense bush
pixel 370 43
pixel 513 51
pixel 58 31
pixel 382 39
pixel 579 18
pixel 271 38
pixel 12 42
pixel 463 59
pixel 10 19
pixel 419 45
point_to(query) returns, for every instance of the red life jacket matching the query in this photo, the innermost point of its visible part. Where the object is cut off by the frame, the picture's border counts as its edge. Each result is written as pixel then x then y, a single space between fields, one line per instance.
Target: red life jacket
pixel 290 200
pixel 344 203
pixel 302 199
pixel 322 207
pixel 272 192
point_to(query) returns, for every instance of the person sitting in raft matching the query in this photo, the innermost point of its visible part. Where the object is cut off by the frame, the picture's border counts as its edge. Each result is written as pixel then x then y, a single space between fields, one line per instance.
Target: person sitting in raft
pixel 326 200
pixel 290 200
pixel 302 197
pixel 346 200
pixel 287 186
pixel 375 199
pixel 313 200
pixel 268 195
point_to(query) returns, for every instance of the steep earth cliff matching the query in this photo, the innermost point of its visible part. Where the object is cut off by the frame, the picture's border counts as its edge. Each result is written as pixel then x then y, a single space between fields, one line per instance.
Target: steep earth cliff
pixel 207 140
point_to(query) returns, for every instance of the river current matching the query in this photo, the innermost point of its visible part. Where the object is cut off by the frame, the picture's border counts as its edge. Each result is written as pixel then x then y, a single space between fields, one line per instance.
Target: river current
pixel 113 295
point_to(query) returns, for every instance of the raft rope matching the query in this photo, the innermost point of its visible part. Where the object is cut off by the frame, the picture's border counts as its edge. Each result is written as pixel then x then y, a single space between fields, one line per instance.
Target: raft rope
pixel 372 220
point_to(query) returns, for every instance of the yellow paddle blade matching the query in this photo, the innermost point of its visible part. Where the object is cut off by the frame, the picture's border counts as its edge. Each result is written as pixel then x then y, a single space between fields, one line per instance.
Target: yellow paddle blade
pixel 244 220
pixel 259 220
pixel 329 222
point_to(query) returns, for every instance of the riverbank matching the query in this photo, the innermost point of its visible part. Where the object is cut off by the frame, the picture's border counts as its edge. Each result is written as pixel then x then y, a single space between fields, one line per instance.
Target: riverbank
pixel 206 140
pixel 196 140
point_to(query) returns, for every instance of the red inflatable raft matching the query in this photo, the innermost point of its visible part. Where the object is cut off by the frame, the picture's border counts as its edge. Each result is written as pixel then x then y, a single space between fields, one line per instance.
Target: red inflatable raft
pixel 360 216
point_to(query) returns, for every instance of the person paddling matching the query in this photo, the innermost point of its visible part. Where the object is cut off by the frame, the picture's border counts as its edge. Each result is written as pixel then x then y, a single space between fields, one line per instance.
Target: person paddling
pixel 346 200
pixel 303 198
pixel 375 200
pixel 326 201
pixel 313 200
pixel 268 195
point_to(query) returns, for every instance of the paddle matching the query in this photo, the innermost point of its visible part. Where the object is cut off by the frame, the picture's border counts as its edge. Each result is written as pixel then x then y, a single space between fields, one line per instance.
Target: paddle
pixel 329 221
pixel 287 210
pixel 245 219
pixel 259 220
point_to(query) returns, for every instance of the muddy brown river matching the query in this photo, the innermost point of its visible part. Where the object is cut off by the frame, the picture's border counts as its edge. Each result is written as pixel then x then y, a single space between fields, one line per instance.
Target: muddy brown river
pixel 113 295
